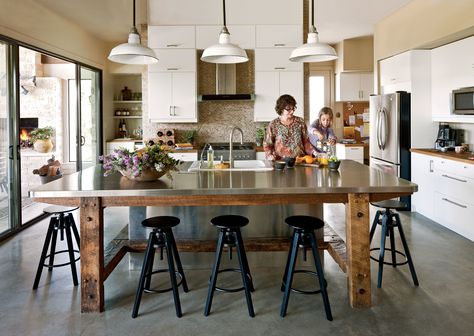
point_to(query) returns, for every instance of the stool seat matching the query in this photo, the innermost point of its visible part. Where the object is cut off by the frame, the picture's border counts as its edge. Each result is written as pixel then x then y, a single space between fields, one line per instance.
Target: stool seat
pixel 305 223
pixel 161 222
pixel 57 209
pixel 390 204
pixel 229 221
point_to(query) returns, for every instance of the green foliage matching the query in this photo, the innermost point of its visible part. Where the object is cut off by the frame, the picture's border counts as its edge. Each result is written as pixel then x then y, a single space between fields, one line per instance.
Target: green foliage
pixel 260 133
pixel 43 133
pixel 333 158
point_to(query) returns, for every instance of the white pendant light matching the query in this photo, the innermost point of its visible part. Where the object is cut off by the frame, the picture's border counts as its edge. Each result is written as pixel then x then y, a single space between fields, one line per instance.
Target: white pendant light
pixel 224 52
pixel 313 50
pixel 133 52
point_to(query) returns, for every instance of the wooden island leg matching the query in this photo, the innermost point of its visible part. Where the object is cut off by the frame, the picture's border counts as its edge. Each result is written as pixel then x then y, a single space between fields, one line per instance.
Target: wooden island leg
pixel 358 250
pixel 92 255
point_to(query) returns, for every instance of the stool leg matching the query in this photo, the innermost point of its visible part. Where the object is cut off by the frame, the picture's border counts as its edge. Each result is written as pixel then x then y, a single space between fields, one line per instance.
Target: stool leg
pixel 374 224
pixel 43 254
pixel 243 271
pixel 215 269
pixel 407 251
pixel 291 269
pixel 246 263
pixel 382 249
pixel 179 266
pixel 141 282
pixel 392 240
pixel 74 230
pixel 70 248
pixel 290 253
pixel 149 266
pixel 52 253
pixel 172 272
pixel 322 282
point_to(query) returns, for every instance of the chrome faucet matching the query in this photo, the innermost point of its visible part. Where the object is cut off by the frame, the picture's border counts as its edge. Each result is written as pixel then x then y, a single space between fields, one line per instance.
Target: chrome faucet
pixel 201 161
pixel 231 158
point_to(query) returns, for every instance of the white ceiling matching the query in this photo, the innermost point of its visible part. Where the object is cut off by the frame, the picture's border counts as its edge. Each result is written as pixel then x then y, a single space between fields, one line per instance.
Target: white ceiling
pixel 111 20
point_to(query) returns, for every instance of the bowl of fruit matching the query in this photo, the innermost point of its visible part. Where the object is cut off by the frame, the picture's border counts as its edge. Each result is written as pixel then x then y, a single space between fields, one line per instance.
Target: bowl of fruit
pixel 333 163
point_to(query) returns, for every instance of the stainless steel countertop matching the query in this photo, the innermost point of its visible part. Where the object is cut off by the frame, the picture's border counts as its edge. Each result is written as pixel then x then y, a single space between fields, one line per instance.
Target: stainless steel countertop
pixel 352 177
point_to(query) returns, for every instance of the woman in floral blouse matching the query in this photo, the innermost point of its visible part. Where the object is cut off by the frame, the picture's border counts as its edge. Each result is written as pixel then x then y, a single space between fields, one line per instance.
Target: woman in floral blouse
pixel 287 135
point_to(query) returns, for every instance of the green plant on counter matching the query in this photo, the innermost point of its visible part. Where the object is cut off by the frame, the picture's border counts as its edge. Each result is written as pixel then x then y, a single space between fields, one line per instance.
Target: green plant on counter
pixel 333 158
pixel 259 135
pixel 41 133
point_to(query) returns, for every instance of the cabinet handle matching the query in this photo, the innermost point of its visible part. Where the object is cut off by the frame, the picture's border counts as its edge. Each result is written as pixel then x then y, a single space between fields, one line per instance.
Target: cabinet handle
pixel 279 44
pixel 453 178
pixel 452 202
pixel 431 166
pixel 279 68
pixel 174 111
pixel 170 111
pixel 172 45
pixel 353 148
pixel 172 69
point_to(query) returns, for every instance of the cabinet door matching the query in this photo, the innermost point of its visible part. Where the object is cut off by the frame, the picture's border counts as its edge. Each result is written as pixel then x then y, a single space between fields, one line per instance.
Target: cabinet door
pixel 395 69
pixel 275 59
pixel 279 36
pixel 292 83
pixel 160 95
pixel 347 86
pixel 171 37
pixel 243 36
pixel 184 97
pixel 366 85
pixel 174 60
pixel 267 88
pixel 422 173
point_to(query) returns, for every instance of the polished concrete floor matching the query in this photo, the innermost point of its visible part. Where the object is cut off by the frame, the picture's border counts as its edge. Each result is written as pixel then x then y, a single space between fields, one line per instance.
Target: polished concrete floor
pixel 442 305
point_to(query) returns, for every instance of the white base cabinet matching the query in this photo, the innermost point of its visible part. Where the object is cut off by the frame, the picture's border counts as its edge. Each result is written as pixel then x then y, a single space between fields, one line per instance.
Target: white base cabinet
pixel 445 192
pixel 355 153
pixel 184 156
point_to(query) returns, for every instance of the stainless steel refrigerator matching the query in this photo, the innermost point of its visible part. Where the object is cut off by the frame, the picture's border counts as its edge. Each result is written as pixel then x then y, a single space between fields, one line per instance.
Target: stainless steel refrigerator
pixel 390 135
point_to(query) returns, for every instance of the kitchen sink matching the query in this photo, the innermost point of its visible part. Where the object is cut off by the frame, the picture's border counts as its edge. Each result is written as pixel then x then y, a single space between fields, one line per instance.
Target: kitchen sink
pixel 239 165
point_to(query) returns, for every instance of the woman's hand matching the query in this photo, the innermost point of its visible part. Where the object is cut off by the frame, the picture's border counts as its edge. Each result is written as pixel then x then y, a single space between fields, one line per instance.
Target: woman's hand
pixel 332 141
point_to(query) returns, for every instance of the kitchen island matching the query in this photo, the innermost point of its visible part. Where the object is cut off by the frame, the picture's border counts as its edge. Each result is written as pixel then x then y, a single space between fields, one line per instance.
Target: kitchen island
pixel 354 184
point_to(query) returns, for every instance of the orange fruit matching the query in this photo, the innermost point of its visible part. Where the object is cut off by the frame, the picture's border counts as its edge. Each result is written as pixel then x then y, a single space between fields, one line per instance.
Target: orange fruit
pixel 308 159
pixel 300 159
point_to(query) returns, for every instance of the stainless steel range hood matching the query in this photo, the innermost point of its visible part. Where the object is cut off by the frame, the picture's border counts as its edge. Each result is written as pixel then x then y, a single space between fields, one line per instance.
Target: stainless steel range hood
pixel 226 86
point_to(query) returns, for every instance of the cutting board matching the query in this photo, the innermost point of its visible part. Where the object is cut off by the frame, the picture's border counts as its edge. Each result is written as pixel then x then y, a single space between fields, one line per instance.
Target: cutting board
pixel 314 165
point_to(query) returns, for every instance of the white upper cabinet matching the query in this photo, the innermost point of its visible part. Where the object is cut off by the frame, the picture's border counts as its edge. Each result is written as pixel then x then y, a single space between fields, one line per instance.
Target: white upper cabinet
pixel 238 12
pixel 452 67
pixel 395 72
pixel 243 36
pixel 285 36
pixel 267 59
pixel 171 37
pixel 354 86
pixel 174 60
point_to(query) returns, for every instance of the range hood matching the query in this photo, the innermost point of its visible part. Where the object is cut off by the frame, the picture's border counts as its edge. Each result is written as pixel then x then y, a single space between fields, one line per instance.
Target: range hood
pixel 226 86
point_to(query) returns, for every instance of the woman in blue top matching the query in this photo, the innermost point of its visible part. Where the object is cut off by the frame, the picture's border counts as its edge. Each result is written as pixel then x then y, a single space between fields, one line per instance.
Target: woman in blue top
pixel 320 130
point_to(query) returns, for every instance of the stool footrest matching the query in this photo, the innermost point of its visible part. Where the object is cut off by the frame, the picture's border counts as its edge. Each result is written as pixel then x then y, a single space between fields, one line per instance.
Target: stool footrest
pixel 389 262
pixel 164 270
pixel 232 290
pixel 63 264
pixel 300 291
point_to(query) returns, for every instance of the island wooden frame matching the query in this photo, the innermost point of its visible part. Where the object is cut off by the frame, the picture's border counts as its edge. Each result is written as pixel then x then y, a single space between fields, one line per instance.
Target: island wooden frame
pixel 94 271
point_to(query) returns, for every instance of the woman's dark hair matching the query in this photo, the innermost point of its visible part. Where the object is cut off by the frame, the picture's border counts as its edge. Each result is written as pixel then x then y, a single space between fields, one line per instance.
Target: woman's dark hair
pixel 283 102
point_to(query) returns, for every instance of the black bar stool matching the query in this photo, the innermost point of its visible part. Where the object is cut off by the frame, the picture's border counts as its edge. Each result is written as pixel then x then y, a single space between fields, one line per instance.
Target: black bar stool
pixel 230 236
pixel 62 220
pixel 161 237
pixel 303 236
pixel 390 219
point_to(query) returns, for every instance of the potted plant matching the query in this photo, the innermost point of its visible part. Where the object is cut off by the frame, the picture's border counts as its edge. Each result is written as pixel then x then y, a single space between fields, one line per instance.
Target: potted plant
pixel 41 139
pixel 145 164
pixel 333 162
pixel 259 136
pixel 190 136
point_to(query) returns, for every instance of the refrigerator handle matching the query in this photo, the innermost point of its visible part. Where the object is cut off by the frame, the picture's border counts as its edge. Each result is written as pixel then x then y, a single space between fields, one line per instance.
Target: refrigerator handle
pixel 377 128
pixel 385 129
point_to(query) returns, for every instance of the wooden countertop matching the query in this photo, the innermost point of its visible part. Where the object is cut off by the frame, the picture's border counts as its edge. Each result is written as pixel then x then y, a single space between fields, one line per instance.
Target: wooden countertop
pixel 450 155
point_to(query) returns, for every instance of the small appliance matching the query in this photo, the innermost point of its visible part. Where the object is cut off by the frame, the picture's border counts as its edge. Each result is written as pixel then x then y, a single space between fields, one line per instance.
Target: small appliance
pixel 448 138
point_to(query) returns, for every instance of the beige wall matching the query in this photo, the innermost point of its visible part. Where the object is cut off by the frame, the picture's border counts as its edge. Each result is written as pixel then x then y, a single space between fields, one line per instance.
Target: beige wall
pixel 423 24
pixel 29 22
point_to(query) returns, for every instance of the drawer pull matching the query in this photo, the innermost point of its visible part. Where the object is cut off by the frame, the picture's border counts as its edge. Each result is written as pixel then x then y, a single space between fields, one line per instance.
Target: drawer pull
pixel 172 45
pixel 279 68
pixel 454 178
pixel 172 69
pixel 279 44
pixel 452 202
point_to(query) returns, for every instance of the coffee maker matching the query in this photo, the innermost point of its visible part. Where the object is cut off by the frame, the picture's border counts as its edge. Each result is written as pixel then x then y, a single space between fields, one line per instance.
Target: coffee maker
pixel 448 138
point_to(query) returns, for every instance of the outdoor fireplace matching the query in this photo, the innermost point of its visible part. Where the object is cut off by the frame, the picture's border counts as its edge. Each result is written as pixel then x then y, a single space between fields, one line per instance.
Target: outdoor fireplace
pixel 26 126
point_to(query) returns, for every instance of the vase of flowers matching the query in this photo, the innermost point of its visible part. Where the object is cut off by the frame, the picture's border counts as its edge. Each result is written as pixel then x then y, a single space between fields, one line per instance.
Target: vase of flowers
pixel 145 164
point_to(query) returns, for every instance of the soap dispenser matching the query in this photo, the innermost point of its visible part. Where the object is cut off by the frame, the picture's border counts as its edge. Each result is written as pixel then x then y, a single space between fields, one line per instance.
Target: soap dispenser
pixel 210 157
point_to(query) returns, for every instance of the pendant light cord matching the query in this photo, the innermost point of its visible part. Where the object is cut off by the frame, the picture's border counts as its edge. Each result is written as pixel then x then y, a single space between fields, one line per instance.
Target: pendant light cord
pixel 313 28
pixel 223 10
pixel 134 13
